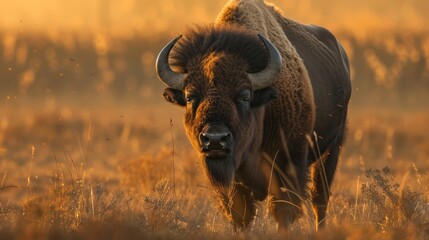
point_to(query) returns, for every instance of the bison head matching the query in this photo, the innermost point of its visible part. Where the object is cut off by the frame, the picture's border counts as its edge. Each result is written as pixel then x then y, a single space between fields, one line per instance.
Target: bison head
pixel 222 76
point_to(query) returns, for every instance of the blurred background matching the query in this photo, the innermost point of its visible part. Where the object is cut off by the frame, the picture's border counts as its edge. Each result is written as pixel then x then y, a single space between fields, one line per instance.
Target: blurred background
pixel 77 77
pixel 147 17
pixel 80 50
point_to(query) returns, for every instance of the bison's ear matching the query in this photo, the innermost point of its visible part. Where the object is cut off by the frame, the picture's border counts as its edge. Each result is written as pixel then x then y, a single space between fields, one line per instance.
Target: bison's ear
pixel 263 96
pixel 174 96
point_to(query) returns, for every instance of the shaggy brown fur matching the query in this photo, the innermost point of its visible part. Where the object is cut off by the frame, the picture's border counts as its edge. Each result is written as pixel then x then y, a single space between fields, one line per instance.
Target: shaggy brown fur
pixel 225 39
pixel 266 134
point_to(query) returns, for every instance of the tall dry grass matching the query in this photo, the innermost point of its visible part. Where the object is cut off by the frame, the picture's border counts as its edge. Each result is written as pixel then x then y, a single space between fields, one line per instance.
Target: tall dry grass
pixel 141 198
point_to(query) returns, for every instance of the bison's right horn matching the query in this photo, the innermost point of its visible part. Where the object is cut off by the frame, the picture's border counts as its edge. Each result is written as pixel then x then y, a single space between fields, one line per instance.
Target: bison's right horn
pixel 163 70
pixel 265 77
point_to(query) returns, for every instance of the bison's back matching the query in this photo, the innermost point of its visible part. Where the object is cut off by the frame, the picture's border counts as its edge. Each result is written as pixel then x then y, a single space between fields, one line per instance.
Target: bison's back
pixel 314 83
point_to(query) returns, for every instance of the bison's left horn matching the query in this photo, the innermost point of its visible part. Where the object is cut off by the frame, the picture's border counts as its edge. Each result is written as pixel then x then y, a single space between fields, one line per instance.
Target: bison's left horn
pixel 163 70
pixel 265 77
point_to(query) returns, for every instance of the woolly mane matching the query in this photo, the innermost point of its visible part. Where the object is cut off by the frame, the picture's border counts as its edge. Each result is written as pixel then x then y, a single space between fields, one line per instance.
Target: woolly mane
pixel 201 41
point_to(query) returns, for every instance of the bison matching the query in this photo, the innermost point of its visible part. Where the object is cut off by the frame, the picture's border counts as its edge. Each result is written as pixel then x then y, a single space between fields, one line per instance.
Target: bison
pixel 265 102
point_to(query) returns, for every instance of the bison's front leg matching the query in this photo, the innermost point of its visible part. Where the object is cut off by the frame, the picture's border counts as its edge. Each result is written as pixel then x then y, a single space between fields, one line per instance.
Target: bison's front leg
pixel 287 186
pixel 239 205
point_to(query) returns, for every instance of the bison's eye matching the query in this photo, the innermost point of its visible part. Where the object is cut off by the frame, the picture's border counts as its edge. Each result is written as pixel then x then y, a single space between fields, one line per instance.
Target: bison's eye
pixel 244 97
pixel 191 98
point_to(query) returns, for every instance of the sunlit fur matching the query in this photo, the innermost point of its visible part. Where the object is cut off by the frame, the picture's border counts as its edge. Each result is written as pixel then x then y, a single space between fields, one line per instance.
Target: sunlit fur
pixel 203 43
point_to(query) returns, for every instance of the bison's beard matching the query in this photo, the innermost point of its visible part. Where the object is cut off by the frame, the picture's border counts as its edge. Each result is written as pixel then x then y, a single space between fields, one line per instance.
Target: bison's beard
pixel 219 171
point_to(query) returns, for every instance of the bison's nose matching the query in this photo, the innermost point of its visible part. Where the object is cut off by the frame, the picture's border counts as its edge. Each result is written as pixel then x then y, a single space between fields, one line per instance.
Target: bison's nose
pixel 215 138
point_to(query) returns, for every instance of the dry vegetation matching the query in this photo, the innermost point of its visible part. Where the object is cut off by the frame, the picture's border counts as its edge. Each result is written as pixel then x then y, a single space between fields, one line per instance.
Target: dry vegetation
pixel 87 149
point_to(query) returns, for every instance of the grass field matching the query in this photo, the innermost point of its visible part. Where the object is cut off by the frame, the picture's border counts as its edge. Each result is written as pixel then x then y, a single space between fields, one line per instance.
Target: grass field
pixel 89 149
pixel 97 176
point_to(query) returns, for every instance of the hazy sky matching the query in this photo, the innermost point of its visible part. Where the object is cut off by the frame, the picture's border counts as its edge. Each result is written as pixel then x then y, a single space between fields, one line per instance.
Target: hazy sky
pixel 170 15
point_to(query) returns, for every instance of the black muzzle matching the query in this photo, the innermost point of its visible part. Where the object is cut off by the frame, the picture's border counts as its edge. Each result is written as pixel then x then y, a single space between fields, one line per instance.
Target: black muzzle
pixel 216 141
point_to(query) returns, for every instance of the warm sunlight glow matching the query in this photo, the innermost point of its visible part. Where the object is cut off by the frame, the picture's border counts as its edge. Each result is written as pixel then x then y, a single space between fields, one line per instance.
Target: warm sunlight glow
pixel 171 15
pixel 90 149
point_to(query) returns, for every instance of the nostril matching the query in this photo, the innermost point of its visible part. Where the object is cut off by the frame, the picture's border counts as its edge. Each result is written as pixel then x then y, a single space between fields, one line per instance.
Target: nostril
pixel 204 140
pixel 225 139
